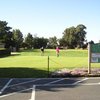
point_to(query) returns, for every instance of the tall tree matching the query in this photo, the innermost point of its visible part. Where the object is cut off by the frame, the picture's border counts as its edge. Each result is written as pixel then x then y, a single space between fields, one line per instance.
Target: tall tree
pixel 74 36
pixel 17 38
pixel 39 42
pixel 80 35
pixel 5 34
pixel 29 40
pixel 53 42
pixel 69 37
pixel 35 42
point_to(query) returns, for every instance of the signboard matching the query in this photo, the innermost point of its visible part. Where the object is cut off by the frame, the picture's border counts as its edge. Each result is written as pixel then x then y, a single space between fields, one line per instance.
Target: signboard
pixel 95 53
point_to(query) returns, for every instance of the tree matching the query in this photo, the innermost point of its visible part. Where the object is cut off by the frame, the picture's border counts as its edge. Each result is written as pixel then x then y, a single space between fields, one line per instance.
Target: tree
pixel 5 34
pixel 74 36
pixel 42 42
pixel 35 42
pixel 62 42
pixel 39 42
pixel 17 38
pixel 29 40
pixel 52 42
pixel 80 35
pixel 24 45
pixel 69 37
pixel 91 42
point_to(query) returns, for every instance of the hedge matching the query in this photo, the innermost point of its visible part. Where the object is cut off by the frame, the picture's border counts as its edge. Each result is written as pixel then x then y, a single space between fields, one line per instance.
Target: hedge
pixel 5 52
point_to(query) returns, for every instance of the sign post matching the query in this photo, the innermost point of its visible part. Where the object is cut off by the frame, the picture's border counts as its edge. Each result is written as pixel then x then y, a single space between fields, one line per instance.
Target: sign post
pixel 48 66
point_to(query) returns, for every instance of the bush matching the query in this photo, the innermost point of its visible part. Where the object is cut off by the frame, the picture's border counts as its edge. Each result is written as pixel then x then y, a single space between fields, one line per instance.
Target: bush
pixel 5 52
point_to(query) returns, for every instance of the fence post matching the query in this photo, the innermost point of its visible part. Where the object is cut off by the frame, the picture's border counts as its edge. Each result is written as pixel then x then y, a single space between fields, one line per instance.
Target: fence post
pixel 89 58
pixel 48 66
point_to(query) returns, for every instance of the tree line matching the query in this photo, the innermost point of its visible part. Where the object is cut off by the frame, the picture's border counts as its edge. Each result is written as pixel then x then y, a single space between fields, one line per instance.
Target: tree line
pixel 73 37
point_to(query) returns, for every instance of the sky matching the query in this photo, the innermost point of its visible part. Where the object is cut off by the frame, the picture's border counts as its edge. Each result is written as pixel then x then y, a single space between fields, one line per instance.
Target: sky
pixel 48 18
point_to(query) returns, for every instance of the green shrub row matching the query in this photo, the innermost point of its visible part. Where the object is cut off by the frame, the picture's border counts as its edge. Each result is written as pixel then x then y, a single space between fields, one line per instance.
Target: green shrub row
pixel 5 52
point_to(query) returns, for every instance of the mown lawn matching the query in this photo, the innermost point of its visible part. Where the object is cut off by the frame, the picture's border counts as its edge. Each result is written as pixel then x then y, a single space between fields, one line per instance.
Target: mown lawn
pixel 30 63
pixel 51 52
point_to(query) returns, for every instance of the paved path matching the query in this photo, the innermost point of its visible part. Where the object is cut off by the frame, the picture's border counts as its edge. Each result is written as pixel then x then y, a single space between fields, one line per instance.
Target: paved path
pixel 50 89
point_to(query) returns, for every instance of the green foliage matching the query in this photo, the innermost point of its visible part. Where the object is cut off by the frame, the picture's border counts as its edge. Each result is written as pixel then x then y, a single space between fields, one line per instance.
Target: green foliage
pixel 35 42
pixel 80 35
pixel 5 34
pixel 69 37
pixel 29 40
pixel 17 39
pixel 24 45
pixel 5 52
pixel 74 36
pixel 4 30
pixel 52 42
pixel 40 42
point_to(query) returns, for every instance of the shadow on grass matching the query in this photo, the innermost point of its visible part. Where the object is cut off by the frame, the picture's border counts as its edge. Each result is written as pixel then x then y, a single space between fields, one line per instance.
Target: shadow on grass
pixel 13 54
pixel 16 72
pixel 4 55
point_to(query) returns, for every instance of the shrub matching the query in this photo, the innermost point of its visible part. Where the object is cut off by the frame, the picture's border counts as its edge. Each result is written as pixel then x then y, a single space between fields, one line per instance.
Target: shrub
pixel 5 52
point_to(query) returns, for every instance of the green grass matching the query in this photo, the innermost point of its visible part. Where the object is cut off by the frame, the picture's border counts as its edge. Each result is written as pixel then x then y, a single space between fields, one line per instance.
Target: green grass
pixel 50 52
pixel 30 63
